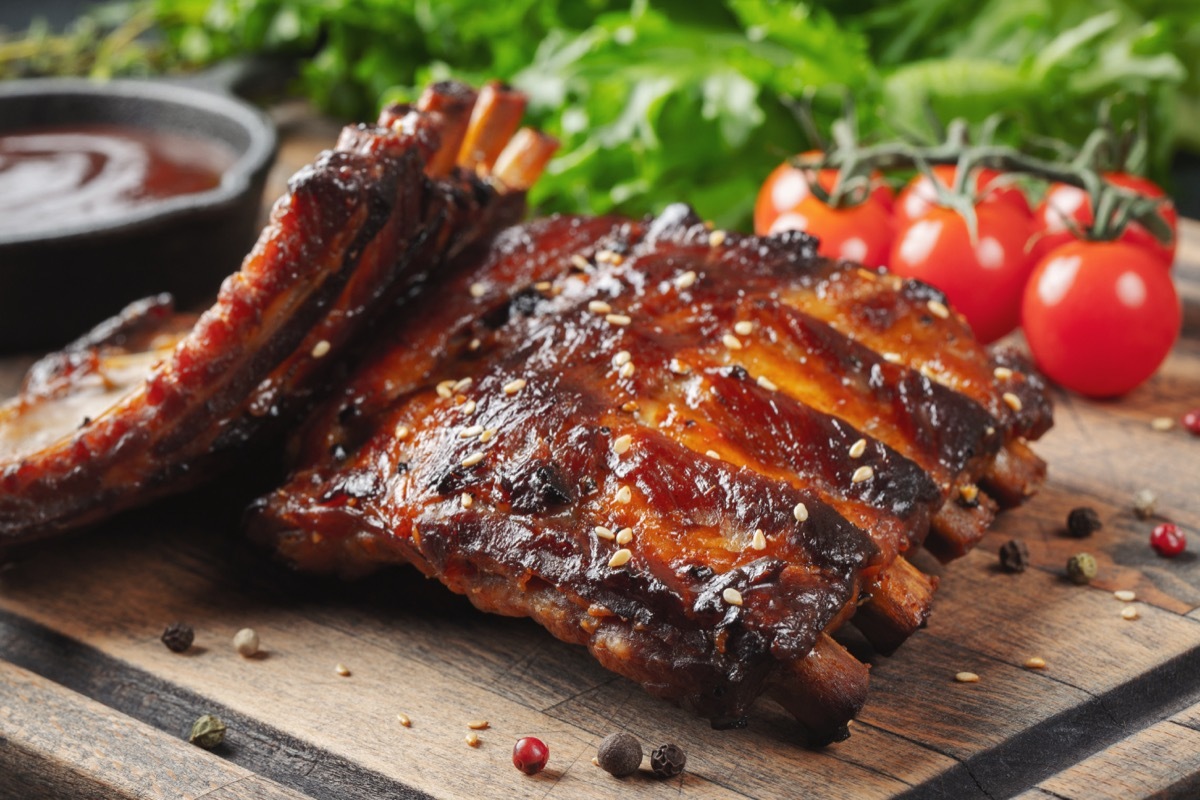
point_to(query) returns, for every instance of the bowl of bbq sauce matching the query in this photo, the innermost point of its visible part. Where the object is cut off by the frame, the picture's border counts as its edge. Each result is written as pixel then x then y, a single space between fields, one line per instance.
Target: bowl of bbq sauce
pixel 114 191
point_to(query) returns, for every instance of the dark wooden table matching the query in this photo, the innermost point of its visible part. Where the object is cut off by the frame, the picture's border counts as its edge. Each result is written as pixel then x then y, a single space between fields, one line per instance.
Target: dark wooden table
pixel 92 705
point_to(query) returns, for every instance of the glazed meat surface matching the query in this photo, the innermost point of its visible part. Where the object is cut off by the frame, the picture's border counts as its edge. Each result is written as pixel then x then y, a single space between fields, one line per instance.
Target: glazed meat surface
pixel 696 453
pixel 150 402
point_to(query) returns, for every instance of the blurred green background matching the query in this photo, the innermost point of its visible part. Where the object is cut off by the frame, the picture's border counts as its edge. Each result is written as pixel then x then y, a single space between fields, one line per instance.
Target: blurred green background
pixel 667 100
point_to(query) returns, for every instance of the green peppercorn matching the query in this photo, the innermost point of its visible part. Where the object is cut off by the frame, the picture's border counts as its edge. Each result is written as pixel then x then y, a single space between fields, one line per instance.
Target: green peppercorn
pixel 207 732
pixel 620 754
pixel 1081 568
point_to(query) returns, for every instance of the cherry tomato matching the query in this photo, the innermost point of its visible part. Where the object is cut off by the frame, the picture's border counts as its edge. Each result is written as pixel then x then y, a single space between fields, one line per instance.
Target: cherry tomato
pixel 861 233
pixel 919 195
pixel 982 279
pixel 1100 316
pixel 1065 203
pixel 786 186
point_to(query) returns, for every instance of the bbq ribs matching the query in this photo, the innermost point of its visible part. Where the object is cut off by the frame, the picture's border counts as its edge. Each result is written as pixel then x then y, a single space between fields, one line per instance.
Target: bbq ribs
pixel 697 453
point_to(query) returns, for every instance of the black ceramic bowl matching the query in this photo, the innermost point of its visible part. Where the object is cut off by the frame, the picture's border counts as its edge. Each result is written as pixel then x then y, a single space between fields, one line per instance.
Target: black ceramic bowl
pixel 54 285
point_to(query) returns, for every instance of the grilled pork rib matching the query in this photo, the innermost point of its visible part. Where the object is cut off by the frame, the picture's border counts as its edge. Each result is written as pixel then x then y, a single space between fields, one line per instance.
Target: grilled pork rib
pixel 696 453
pixel 150 402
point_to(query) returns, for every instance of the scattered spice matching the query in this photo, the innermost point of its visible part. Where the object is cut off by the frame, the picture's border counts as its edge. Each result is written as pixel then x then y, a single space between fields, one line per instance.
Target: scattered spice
pixel 686 280
pixel 178 637
pixel 404 720
pixel 207 732
pixel 343 670
pixel 1191 421
pixel 1036 662
pixel 743 327
pixel 858 448
pixel 732 596
pixel 1082 522
pixel 620 558
pixel 862 474
pixel 1014 556
pixel 1081 568
pixel 1162 424
pixel 1167 540
pixel 1002 373
pixel 1125 595
pixel 966 677
pixel 668 760
pixel 1129 613
pixel 321 349
pixel 619 320
pixel 530 755
pixel 731 342
pixel 478 725
pixel 472 739
pixel 246 642
pixel 1144 502
pixel 938 309
pixel 1012 401
pixel 620 754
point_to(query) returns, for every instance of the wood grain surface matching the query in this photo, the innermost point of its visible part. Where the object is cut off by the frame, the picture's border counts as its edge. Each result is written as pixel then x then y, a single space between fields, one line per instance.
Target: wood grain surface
pixel 88 689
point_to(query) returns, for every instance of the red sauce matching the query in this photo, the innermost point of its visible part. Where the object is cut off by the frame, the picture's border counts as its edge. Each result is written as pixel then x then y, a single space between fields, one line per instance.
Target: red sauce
pixel 56 177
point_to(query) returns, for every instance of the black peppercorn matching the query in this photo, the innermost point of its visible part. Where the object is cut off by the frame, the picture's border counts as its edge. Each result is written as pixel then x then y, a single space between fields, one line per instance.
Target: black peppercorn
pixel 1083 522
pixel 1014 556
pixel 620 754
pixel 178 637
pixel 668 760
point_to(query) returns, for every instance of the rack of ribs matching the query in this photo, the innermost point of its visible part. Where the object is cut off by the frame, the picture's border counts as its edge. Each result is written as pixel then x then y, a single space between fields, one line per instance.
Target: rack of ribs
pixel 696 453
pixel 150 402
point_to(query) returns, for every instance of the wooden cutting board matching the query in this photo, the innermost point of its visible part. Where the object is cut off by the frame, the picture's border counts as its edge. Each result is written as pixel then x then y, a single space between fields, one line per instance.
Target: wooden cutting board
pixel 93 705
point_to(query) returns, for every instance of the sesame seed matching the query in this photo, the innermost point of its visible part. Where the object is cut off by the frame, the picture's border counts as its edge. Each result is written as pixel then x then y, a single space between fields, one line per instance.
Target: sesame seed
pixel 862 474
pixel 595 761
pixel 622 444
pixel 603 532
pixel 472 459
pixel 1125 595
pixel 1012 400
pixel 1002 373
pixel 512 387
pixel 716 238
pixel 472 739
pixel 892 358
pixel 743 327
pixel 469 407
pixel 1129 613
pixel 487 435
pixel 444 389
pixel 620 320
pixel 969 493
pixel 402 433
pixel 800 512
pixel 599 307
pixel 630 407
pixel 732 596
pixel 627 370
pixel 678 367
pixel 607 256
pixel 471 432
pixel 461 385
pixel 938 309
pixel 474 345
pixel 731 341
pixel 580 262
pixel 1035 662
pixel 467 500
pixel 622 358
pixel 625 536
pixel 478 290
pixel 321 349
pixel 686 280
pixel 624 495
pixel 343 670
pixel 759 542
pixel 858 448
pixel 620 558
pixel 966 677
pixel 867 275
pixel 1162 424
pixel 543 286
pixel 478 725
pixel 404 720
pixel 713 454
pixel 766 383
